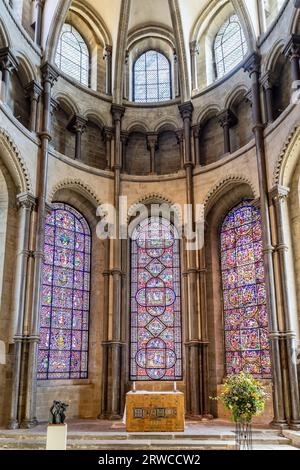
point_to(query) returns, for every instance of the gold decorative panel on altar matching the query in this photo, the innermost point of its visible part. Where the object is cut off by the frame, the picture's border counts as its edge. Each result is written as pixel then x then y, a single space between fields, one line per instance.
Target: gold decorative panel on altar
pixel 154 412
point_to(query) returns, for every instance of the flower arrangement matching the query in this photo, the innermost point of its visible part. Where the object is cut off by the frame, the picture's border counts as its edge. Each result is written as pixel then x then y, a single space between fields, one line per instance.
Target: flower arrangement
pixel 244 396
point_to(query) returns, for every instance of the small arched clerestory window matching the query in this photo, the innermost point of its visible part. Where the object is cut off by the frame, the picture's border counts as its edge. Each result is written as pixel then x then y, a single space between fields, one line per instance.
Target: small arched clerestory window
pixel 152 78
pixel 64 321
pixel 72 55
pixel 230 46
pixel 244 293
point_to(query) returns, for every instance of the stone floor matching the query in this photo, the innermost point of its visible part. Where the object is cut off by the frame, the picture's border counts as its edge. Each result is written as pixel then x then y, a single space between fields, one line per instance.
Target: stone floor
pixel 111 435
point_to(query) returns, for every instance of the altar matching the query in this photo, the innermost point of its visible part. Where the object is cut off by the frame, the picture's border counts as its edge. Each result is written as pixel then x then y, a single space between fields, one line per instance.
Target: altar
pixel 154 411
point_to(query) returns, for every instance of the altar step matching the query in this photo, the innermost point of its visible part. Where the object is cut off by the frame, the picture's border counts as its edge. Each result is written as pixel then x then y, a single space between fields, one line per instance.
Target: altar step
pixel 268 440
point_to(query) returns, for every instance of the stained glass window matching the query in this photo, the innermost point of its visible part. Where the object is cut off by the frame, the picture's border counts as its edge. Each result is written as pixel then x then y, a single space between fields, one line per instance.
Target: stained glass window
pixel 230 46
pixel 152 78
pixel 244 293
pixel 156 348
pixel 72 55
pixel 64 325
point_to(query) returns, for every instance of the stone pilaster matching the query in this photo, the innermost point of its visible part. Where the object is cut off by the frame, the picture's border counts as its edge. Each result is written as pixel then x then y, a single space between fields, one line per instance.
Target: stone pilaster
pixel 49 76
pixel 38 22
pixel 226 120
pixel 33 91
pixel 194 51
pixel 280 195
pixel 8 63
pixel 252 66
pixel 196 135
pixel 292 51
pixel 78 126
pixel 152 143
pixel 267 81
pixel 26 203
pixel 108 69
pixel 108 137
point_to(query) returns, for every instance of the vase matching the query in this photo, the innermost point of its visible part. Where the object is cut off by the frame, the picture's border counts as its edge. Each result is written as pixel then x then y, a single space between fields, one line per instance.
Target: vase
pixel 243 434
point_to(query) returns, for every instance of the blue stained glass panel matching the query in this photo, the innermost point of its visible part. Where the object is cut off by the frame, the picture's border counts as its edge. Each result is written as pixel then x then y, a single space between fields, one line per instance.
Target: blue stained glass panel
pixel 244 293
pixel 156 344
pixel 64 323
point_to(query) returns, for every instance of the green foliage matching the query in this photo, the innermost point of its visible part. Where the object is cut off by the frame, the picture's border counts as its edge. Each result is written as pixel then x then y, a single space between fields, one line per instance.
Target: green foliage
pixel 244 396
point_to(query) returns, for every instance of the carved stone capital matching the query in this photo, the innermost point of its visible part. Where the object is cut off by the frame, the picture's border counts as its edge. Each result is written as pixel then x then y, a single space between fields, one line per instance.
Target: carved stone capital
pixel 268 80
pixel 33 90
pixel 279 193
pixel 124 137
pixel 152 141
pixel 196 131
pixel 194 48
pixel 252 65
pixel 8 60
pixel 26 201
pixel 292 48
pixel 77 124
pixel 49 73
pixel 186 110
pixel 108 134
pixel 227 118
pixel 107 52
pixel 179 136
pixel 117 112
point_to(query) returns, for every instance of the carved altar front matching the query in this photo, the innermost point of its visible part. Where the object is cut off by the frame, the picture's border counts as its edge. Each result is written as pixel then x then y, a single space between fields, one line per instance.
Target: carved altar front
pixel 154 411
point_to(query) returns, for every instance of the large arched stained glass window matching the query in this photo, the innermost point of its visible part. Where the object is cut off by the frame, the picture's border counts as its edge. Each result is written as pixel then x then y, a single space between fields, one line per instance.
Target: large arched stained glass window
pixel 156 349
pixel 244 293
pixel 152 78
pixel 230 46
pixel 64 325
pixel 72 55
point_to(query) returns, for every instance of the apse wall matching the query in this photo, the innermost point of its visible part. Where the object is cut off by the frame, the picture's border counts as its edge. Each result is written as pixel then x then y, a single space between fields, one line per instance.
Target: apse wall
pixel 88 181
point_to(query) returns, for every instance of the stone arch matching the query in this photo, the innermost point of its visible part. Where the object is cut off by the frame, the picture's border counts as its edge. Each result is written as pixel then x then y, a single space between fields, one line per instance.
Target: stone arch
pixel 67 101
pixel 287 159
pixel 137 126
pixel 224 186
pixel 206 112
pixel 222 198
pixel 14 162
pixel 155 198
pixel 95 116
pixel 26 68
pixel 5 39
pixel 77 186
pixel 166 124
pixel 235 94
pixel 273 55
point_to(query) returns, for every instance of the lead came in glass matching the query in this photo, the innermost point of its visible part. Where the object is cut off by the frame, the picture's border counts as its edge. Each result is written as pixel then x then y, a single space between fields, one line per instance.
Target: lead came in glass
pixel 152 78
pixel 244 293
pixel 64 325
pixel 156 349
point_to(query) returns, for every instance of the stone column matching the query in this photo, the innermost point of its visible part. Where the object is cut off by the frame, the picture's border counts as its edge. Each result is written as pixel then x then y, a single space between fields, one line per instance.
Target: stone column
pixel 194 349
pixel 33 90
pixel 108 135
pixel 25 202
pixel 196 135
pixel 8 63
pixel 252 66
pixel 116 344
pixel 280 195
pixel 152 143
pixel 194 51
pixel 108 69
pixel 267 81
pixel 226 120
pixel 292 51
pixel 176 75
pixel 179 136
pixel 126 77
pixel 124 142
pixel 78 126
pixel 49 76
pixel 38 22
